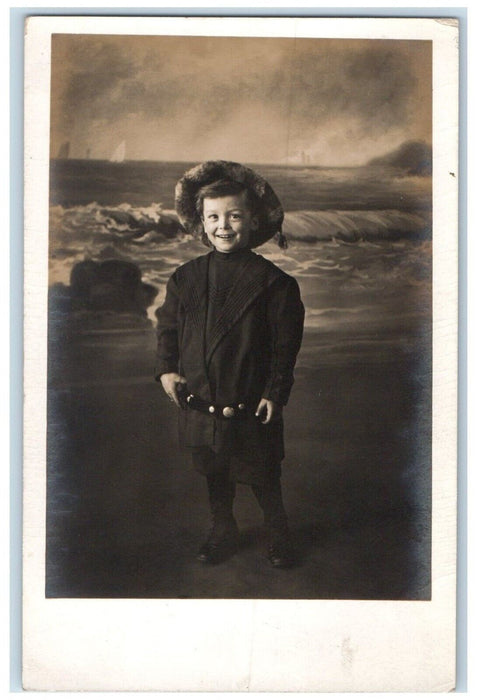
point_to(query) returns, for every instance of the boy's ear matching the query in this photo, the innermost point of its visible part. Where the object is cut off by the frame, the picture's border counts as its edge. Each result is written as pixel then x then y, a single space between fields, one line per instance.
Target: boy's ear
pixel 254 223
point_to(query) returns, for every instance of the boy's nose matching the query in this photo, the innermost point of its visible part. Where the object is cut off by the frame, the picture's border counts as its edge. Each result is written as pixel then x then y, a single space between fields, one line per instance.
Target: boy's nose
pixel 224 223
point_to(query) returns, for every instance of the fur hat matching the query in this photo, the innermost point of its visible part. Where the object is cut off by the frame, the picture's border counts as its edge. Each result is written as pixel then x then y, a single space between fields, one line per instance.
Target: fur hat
pixel 270 211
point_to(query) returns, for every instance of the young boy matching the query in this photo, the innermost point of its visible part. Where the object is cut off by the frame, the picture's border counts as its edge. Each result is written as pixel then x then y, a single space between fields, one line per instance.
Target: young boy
pixel 228 336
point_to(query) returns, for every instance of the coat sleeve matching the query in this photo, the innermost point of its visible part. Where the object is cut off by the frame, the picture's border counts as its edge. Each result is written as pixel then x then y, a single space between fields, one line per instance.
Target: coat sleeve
pixel 167 353
pixel 285 316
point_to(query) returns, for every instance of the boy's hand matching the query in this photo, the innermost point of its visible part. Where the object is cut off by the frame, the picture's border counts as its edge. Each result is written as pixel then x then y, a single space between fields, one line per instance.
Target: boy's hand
pixel 267 408
pixel 169 383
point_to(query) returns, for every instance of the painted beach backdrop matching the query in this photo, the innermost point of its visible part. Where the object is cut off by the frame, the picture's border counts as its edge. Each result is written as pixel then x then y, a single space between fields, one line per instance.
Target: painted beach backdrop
pixel 359 240
pixel 125 513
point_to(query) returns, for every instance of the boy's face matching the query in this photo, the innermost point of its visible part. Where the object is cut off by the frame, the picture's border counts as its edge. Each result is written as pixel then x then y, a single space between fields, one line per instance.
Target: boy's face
pixel 228 222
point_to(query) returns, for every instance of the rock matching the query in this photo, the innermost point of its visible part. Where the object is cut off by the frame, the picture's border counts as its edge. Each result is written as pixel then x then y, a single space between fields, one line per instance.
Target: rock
pixel 82 277
pixel 111 285
pixel 414 157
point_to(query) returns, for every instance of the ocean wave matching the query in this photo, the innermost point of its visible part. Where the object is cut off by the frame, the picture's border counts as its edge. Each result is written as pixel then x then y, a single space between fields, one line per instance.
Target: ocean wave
pixel 141 226
pixel 137 225
pixel 336 266
pixel 353 225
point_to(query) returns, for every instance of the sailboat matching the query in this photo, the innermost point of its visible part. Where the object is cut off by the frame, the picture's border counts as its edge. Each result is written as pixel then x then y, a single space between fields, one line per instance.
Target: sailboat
pixel 119 153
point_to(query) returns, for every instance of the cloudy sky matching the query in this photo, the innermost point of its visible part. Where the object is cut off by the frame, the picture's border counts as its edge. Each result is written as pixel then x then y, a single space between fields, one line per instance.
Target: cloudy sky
pixel 341 102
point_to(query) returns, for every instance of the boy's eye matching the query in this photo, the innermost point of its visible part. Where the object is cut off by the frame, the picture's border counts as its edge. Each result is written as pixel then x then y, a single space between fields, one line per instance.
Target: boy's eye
pixel 236 216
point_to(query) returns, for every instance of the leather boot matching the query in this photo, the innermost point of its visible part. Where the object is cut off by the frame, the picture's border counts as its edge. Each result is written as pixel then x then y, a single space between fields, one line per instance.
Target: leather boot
pixel 280 549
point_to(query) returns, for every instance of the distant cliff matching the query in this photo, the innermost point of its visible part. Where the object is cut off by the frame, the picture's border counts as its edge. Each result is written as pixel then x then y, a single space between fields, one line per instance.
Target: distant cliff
pixel 414 157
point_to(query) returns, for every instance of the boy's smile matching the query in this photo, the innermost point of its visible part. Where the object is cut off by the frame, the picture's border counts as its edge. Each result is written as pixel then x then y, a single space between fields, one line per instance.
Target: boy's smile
pixel 228 222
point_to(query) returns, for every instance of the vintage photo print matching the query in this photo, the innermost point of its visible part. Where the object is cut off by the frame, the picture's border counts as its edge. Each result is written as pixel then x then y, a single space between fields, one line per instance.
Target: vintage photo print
pixel 240 355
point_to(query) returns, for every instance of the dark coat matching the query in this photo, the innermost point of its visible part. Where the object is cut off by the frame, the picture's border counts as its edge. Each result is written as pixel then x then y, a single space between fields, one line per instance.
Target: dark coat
pixel 250 353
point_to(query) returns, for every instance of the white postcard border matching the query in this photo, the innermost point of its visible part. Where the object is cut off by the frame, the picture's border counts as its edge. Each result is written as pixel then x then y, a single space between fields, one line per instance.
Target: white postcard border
pixel 87 644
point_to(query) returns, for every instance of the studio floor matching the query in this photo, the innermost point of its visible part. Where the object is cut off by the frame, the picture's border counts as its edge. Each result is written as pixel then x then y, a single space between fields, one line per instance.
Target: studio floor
pixel 126 513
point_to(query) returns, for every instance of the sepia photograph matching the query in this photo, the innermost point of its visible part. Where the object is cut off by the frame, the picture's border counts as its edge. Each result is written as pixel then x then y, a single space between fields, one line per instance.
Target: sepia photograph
pixel 240 286
pixel 341 132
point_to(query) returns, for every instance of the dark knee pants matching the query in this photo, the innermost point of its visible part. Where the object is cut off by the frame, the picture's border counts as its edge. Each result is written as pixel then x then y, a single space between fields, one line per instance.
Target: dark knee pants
pixel 269 496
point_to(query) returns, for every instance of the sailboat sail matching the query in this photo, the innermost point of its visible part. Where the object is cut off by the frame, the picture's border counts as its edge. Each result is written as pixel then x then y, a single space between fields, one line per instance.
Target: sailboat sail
pixel 119 153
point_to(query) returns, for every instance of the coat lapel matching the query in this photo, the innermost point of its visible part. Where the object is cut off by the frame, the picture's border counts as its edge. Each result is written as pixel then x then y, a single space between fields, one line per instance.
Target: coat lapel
pixel 193 282
pixel 252 279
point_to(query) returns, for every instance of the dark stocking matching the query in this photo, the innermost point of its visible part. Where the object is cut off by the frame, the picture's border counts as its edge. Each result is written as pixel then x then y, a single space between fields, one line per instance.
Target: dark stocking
pixel 221 498
pixel 269 497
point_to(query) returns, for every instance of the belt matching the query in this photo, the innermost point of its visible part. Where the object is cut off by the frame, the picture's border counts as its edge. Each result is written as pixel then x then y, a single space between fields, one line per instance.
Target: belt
pixel 233 410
